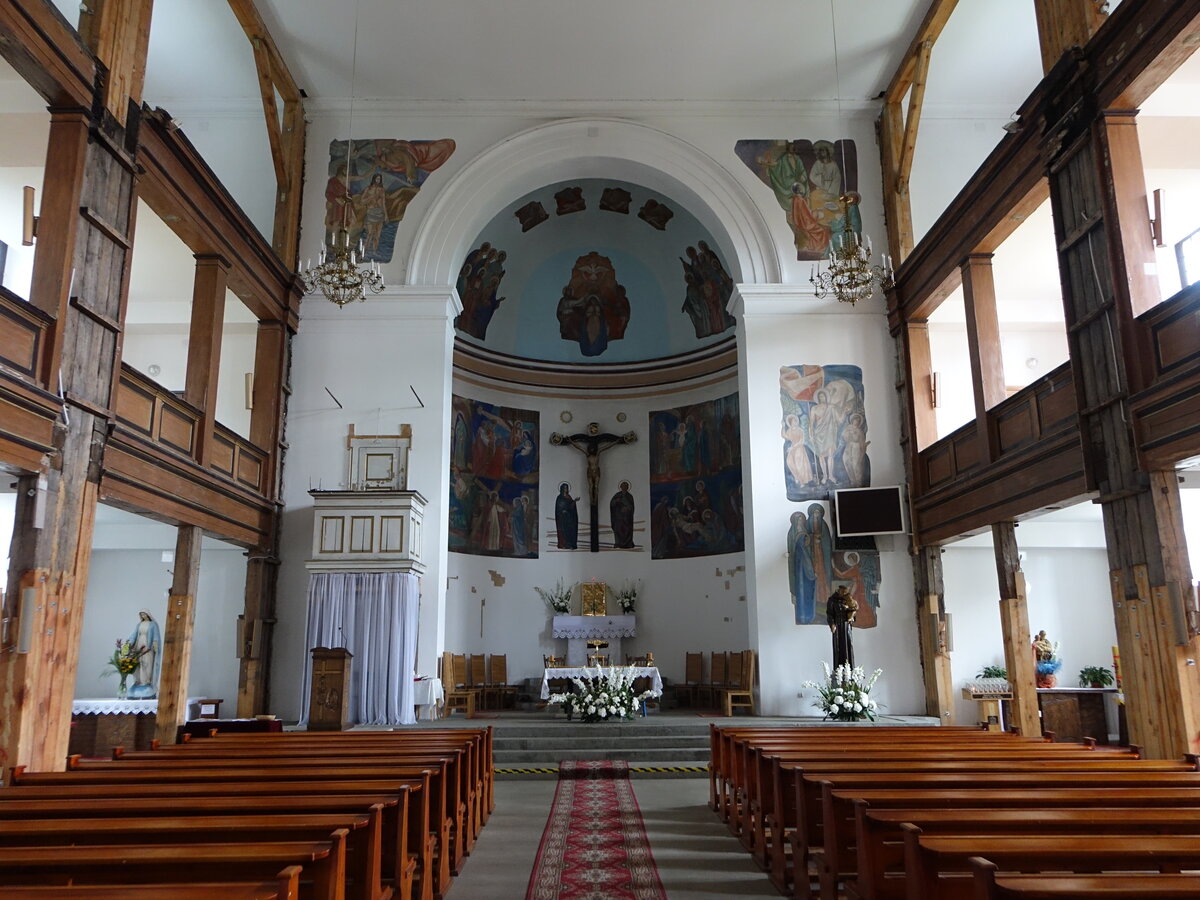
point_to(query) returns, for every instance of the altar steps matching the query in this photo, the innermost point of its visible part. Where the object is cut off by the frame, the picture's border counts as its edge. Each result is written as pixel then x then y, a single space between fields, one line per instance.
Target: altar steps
pixel 664 749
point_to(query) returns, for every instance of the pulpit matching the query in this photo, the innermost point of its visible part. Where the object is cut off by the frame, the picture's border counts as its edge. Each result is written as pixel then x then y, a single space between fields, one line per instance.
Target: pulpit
pixel 578 630
pixel 329 694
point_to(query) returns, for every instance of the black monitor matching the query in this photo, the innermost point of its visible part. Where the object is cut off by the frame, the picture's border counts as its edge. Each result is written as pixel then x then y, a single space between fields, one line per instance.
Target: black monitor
pixel 871 510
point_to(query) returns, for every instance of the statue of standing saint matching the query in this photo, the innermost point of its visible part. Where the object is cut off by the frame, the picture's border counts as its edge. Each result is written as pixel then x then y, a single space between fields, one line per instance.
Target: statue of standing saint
pixel 591 445
pixel 840 610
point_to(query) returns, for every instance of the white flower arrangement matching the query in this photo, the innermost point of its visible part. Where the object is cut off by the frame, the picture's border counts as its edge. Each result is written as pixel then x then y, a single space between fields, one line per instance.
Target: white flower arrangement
pixel 627 596
pixel 846 694
pixel 558 598
pixel 603 695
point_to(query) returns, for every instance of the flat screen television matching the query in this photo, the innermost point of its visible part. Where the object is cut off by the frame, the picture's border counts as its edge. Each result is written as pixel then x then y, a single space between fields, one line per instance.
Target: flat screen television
pixel 872 510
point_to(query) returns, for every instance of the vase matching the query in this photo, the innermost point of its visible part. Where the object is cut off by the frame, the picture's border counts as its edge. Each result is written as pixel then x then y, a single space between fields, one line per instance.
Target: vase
pixel 123 689
pixel 1048 680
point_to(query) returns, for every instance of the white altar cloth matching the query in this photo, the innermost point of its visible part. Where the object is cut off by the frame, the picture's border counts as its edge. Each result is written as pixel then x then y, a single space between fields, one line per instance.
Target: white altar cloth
pixel 650 672
pixel 105 705
pixel 597 628
pixel 428 696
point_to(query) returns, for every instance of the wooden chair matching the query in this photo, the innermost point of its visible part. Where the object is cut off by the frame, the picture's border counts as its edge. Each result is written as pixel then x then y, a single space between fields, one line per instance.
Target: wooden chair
pixel 718 676
pixel 459 694
pixel 740 692
pixel 498 690
pixel 693 677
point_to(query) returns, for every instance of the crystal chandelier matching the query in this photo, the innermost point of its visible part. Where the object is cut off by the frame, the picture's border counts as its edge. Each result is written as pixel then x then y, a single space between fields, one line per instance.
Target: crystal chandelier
pixel 338 273
pixel 849 275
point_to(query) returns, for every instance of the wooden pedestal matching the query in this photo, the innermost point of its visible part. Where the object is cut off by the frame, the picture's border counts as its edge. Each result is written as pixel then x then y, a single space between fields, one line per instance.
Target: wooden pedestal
pixel 329 694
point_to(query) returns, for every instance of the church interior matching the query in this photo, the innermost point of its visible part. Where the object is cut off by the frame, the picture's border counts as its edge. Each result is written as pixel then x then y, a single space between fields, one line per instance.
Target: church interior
pixel 711 308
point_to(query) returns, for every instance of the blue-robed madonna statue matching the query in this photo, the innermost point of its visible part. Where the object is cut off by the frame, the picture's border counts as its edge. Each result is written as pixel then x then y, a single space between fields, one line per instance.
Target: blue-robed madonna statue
pixel 146 643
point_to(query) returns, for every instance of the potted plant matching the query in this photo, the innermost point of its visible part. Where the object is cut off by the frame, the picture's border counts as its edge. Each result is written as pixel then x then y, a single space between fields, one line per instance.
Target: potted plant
pixel 1096 676
pixel 993 672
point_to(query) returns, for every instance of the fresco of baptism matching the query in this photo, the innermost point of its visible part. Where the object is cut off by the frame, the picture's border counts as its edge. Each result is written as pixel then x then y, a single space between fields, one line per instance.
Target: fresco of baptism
pixel 824 430
pixel 696 480
pixel 493 480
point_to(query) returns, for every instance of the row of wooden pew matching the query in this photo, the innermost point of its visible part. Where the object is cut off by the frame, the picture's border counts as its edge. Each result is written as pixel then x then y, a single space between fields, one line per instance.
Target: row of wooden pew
pixel 327 816
pixel 929 813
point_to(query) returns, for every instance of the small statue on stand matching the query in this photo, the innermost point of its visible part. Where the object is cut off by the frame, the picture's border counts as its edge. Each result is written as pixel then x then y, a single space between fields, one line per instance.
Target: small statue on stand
pixel 840 610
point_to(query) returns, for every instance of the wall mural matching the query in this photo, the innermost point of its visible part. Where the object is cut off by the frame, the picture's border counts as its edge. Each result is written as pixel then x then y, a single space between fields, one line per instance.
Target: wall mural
pixel 807 178
pixel 709 288
pixel 593 309
pixel 818 564
pixel 494 469
pixel 478 284
pixel 370 186
pixel 696 480
pixel 824 430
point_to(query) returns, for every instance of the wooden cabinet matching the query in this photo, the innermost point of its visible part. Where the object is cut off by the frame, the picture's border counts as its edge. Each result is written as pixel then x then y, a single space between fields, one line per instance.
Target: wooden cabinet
pixel 329 693
pixel 1075 713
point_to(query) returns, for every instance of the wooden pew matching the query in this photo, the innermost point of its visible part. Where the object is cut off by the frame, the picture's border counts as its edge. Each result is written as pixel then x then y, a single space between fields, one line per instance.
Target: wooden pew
pixel 938 867
pixel 880 843
pixel 285 886
pixel 413 855
pixel 321 861
pixel 363 843
pixel 989 885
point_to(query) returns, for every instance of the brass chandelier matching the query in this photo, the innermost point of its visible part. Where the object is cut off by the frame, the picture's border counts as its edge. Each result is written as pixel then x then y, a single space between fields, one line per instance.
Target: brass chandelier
pixel 849 275
pixel 338 273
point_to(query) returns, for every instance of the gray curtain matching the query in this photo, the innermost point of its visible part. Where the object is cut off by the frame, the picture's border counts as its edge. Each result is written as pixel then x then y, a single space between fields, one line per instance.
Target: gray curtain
pixel 374 616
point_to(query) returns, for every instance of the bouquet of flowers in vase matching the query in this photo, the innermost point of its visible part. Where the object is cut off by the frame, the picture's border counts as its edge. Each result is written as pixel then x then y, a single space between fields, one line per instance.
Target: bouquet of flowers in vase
pixel 845 695
pixel 123 662
pixel 558 598
pixel 602 696
pixel 627 596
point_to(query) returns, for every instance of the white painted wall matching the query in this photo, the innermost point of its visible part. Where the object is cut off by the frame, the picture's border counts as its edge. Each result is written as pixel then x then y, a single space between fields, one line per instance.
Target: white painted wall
pixel 1068 597
pixel 18 265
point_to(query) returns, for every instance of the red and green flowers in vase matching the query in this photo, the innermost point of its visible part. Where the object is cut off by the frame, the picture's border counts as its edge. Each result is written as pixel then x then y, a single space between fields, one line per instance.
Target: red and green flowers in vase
pixel 124 662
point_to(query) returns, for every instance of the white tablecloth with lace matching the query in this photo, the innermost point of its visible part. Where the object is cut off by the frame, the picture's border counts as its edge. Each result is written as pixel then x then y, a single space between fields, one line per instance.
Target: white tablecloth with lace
pixel 650 672
pixel 596 628
pixel 105 706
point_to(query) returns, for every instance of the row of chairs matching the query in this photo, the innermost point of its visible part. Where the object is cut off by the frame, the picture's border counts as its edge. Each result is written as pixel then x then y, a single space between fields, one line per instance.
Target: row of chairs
pixel 470 684
pixel 730 682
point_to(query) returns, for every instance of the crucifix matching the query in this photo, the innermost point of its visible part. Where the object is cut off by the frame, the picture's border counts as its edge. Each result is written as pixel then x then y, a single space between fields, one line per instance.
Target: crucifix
pixel 591 445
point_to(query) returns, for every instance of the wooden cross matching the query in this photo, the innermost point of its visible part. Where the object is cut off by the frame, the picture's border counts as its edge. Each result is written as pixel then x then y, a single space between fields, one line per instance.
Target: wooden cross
pixel 591 445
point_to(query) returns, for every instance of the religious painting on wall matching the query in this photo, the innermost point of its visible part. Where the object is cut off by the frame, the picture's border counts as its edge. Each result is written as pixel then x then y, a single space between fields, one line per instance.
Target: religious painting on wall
pixel 808 179
pixel 824 430
pixel 819 563
pixel 708 289
pixel 593 309
pixel 478 284
pixel 493 479
pixel 696 480
pixel 370 186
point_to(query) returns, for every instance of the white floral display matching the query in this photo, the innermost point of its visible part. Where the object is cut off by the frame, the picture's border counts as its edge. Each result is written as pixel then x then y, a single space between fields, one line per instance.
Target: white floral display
pixel 603 694
pixel 845 696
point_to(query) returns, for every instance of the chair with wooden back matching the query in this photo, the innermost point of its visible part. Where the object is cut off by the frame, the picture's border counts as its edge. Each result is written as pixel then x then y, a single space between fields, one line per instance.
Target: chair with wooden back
pixel 693 687
pixel 740 692
pixel 718 676
pixel 498 690
pixel 459 694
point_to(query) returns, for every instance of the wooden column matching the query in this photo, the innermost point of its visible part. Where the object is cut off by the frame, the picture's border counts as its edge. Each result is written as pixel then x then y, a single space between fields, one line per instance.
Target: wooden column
pixel 983 343
pixel 177 634
pixel 1063 24
pixel 118 32
pixel 204 345
pixel 1014 623
pixel 272 363
pixel 935 654
pixel 258 620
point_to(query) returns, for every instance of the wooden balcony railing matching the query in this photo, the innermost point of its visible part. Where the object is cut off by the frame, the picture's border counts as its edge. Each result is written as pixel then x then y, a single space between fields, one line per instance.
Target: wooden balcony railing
pixel 23 330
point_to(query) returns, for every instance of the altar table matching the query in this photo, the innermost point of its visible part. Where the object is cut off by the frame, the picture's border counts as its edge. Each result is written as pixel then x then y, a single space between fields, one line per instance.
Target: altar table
pixel 650 672
pixel 427 697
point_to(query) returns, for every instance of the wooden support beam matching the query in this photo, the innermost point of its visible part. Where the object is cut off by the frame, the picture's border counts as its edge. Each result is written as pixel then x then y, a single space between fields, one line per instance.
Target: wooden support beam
pixel 118 32
pixel 1063 24
pixel 912 122
pixel 252 23
pixel 272 363
pixel 254 695
pixel 266 86
pixel 1014 624
pixel 983 342
pixel 286 234
pixel 931 27
pixel 935 655
pixel 177 634
pixel 896 203
pixel 204 346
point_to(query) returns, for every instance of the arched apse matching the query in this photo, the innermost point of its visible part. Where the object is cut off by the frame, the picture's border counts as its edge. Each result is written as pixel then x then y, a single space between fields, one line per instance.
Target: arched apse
pixel 595 148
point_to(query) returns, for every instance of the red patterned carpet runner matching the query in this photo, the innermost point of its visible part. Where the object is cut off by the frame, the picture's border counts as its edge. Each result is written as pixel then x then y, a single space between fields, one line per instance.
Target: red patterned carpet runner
pixel 594 846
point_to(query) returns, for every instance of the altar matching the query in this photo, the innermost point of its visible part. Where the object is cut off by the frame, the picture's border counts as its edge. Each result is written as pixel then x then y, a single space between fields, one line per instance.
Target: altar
pixel 578 630
pixel 650 672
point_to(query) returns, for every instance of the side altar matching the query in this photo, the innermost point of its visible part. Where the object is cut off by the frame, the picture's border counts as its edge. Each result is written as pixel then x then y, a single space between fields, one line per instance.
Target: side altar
pixel 578 630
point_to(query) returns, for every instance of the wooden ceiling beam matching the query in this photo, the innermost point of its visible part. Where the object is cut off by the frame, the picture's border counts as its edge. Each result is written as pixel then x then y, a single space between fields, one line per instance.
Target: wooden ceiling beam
pixel 1063 24
pixel 916 98
pixel 118 32
pixel 256 30
pixel 262 64
pixel 931 27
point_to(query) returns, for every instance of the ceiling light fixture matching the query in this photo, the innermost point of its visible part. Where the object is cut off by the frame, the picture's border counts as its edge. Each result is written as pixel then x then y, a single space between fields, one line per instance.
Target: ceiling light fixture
pixel 849 275
pixel 339 274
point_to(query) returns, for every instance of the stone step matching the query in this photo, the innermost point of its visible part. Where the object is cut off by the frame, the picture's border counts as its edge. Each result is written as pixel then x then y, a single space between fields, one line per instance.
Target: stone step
pixel 556 730
pixel 551 755
pixel 600 740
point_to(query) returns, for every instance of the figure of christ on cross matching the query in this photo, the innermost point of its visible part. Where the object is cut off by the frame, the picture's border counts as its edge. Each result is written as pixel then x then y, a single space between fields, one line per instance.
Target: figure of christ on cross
pixel 591 445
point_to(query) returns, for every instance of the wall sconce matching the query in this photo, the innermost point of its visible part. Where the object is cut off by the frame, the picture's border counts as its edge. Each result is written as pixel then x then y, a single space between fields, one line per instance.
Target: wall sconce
pixel 29 222
pixel 935 386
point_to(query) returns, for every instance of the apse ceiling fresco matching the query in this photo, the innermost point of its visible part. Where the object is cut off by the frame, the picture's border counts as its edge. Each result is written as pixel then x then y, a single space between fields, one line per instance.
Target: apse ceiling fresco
pixel 594 271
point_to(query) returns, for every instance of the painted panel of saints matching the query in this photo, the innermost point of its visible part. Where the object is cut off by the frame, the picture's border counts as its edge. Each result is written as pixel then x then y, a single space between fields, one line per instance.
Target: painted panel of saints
pixel 819 563
pixel 696 480
pixel 824 430
pixel 808 179
pixel 593 309
pixel 494 470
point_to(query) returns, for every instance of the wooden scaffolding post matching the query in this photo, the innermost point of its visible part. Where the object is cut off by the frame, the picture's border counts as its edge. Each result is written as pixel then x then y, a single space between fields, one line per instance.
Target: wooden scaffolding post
pixel 931 618
pixel 177 634
pixel 1014 623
